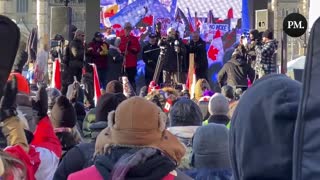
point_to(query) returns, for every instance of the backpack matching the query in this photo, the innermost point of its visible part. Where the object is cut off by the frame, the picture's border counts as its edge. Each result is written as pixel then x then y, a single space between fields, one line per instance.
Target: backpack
pixel 306 151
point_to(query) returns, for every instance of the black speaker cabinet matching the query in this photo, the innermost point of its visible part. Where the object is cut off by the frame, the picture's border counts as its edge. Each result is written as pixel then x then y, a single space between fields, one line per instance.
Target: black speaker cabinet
pixel 60 22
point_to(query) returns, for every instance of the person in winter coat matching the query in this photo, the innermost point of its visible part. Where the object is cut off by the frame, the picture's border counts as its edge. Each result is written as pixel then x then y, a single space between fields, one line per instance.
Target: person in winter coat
pixel 115 59
pixel 210 153
pixel 81 156
pixel 184 118
pixel 266 55
pixel 236 71
pixel 264 126
pixel 250 48
pixel 130 47
pixel 150 54
pixel 88 90
pixel 198 47
pixel 74 59
pixel 41 156
pixel 136 147
pixel 218 109
pixel 64 119
pixel 170 64
pixel 98 52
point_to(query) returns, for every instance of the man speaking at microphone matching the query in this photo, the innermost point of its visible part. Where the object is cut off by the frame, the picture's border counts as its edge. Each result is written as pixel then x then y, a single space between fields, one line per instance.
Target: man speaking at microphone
pixel 175 53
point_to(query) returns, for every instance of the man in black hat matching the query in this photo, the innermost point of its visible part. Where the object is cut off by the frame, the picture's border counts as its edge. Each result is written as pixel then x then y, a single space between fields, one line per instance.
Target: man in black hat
pixel 98 51
pixel 266 55
pixel 150 55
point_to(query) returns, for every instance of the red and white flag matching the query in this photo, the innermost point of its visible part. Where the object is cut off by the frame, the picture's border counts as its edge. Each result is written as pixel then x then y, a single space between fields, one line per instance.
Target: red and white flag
pixel 56 75
pixel 216 52
pixel 96 84
pixel 167 106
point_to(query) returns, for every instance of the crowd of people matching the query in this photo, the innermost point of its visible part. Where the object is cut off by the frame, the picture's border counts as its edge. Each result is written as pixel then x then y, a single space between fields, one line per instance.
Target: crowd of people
pixel 162 133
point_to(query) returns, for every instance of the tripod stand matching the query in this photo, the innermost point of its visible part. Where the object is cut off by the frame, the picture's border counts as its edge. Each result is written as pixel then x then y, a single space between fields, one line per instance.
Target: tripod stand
pixel 159 64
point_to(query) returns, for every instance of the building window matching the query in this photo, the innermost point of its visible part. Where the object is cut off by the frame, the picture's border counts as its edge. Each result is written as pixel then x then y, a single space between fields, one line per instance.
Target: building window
pixel 22 6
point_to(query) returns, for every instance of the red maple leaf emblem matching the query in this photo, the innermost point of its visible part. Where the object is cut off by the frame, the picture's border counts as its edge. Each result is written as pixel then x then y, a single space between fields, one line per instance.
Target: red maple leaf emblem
pixel 212 53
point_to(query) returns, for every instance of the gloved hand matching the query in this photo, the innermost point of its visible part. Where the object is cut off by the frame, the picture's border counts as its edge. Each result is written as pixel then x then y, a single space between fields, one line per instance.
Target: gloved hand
pixel 40 103
pixel 105 50
pixel 8 100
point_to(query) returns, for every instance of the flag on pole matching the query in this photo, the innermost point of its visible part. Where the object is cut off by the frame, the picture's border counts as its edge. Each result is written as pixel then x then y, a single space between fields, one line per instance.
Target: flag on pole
pixel 191 22
pixel 56 75
pixel 96 84
pixel 216 52
pixel 191 79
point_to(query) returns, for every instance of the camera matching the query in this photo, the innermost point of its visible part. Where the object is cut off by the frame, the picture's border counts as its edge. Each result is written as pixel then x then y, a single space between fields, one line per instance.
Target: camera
pixel 55 43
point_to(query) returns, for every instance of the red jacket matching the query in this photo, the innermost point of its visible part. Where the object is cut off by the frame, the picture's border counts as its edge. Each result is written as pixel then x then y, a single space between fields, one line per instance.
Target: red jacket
pixel 44 152
pixel 99 60
pixel 133 50
pixel 93 173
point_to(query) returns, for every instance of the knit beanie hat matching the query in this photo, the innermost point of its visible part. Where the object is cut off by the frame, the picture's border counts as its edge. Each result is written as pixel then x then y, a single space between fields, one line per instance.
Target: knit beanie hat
pixel 185 112
pixel 210 147
pixel 218 105
pixel 107 102
pixel 114 87
pixel 268 34
pixel 53 94
pixel 63 113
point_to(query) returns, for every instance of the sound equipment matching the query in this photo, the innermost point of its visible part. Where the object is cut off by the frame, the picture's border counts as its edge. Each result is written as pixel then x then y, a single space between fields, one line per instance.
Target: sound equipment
pixel 262 21
pixel 60 22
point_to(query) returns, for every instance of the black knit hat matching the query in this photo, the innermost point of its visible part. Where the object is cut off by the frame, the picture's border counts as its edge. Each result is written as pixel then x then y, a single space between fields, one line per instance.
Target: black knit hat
pixel 255 33
pixel 108 102
pixel 114 87
pixel 63 113
pixel 268 34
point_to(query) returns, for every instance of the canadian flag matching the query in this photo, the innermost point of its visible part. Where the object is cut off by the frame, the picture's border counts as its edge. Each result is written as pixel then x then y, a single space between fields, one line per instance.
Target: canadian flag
pixel 96 84
pixel 216 52
pixel 167 106
pixel 56 75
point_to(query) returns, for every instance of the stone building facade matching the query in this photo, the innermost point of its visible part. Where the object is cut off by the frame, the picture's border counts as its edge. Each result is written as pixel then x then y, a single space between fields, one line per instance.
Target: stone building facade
pixel 280 9
pixel 32 13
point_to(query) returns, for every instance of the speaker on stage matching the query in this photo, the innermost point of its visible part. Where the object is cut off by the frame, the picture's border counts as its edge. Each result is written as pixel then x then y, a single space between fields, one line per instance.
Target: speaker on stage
pixel 60 22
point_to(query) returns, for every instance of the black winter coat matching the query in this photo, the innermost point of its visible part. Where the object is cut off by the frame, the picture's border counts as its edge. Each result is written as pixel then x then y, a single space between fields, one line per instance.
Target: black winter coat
pixel 170 57
pixel 201 60
pixel 235 72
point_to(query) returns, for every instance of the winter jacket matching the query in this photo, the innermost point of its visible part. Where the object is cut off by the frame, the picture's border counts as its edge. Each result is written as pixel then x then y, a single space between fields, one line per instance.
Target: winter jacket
pixel 184 134
pixel 98 54
pixel 235 72
pixel 170 57
pixel 266 57
pixel 87 122
pixel 210 174
pixel 201 60
pixel 42 156
pixel 218 119
pixel 25 107
pixel 115 60
pixel 150 58
pixel 76 159
pixel 133 45
pixel 75 54
pixel 262 129
pixel 156 166
pixel 251 53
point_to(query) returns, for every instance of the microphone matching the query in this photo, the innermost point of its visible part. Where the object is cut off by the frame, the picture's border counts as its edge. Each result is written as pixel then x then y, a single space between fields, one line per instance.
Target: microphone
pixel 176 43
pixel 176 46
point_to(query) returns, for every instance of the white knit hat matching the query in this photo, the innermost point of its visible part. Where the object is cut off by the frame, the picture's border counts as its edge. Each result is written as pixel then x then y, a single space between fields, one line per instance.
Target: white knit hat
pixel 218 105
